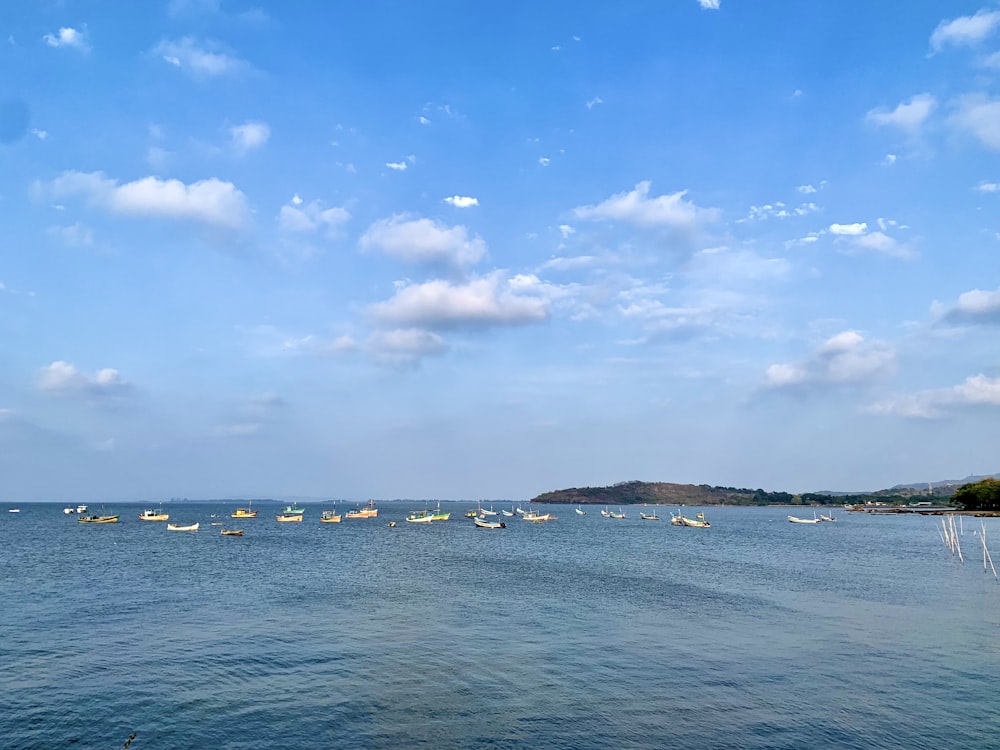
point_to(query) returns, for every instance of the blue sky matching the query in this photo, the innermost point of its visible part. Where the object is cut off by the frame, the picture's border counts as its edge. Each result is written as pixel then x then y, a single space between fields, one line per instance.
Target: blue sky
pixel 485 250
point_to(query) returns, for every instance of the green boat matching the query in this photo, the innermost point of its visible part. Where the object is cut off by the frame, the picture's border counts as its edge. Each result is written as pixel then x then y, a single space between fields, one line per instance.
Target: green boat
pixel 293 510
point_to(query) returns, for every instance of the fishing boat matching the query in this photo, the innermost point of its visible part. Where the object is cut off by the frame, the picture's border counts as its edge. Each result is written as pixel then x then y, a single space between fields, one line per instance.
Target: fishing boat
pixel 232 532
pixel 698 522
pixel 605 513
pixel 81 508
pixel 153 515
pixel 483 523
pixel 289 518
pixel 13 510
pixel 536 517
pixel 391 524
pixel 247 512
pixel 648 516
pixel 329 516
pixel 830 518
pixel 176 527
pixel 471 513
pixel 581 512
pixel 420 516
pixel 97 519
pixel 440 515
pixel 507 513
pixel 369 511
pixel 796 519
pixel 69 511
pixel 619 514
pixel 293 510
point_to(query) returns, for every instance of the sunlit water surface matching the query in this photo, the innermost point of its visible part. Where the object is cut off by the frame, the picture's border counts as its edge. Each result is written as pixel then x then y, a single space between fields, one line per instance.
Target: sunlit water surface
pixel 580 633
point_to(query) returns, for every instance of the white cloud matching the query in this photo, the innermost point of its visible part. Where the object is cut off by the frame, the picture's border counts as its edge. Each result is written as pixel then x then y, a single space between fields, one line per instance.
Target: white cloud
pixel 636 207
pixel 594 102
pixel 852 230
pixel 881 243
pixel 404 346
pixel 211 202
pixel 75 235
pixel 399 166
pixel 908 116
pixel 481 303
pixel 424 241
pixel 844 359
pixel 63 378
pixel 977 390
pixel 980 116
pixel 709 4
pixel 199 59
pixel 889 160
pixel 976 306
pixel 779 210
pixel 965 30
pixel 544 161
pixel 806 189
pixel 313 217
pixel 249 135
pixel 39 134
pixel 68 37
pixel 461 201
pixel 988 187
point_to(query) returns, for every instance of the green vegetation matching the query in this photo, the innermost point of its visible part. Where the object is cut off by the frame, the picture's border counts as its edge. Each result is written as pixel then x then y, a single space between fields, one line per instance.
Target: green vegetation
pixel 982 495
pixel 666 493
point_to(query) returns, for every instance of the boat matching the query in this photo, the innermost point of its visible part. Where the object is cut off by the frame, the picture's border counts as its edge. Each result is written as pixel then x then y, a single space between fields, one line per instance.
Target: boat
pixel 830 518
pixel 536 517
pixel 97 519
pixel 176 527
pixel 605 513
pixel 482 523
pixel 471 513
pixel 619 514
pixel 13 510
pixel 490 512
pixel 796 519
pixel 391 524
pixel 81 508
pixel 507 513
pixel 369 511
pixel 293 510
pixel 69 511
pixel 247 512
pixel 440 515
pixel 329 516
pixel 289 518
pixel 420 516
pixel 581 512
pixel 648 516
pixel 153 515
pixel 216 523
pixel 232 532
pixel 520 511
pixel 698 522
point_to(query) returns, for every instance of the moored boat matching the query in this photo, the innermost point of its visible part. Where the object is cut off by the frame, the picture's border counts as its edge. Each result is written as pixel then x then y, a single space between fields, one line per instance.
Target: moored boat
pixel 232 532
pixel 97 519
pixel 581 512
pixel 369 511
pixel 290 518
pixel 536 517
pixel 153 515
pixel 178 527
pixel 796 519
pixel 420 516
pixel 329 516
pixel 649 516
pixel 293 510
pixel 247 512
pixel 69 511
pixel 482 523
pixel 81 508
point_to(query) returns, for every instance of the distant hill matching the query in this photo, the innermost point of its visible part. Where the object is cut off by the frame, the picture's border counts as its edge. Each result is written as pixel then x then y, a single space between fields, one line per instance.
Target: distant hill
pixel 668 493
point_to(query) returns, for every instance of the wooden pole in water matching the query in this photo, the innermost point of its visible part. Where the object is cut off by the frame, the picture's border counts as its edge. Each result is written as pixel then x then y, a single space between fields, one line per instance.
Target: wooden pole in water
pixel 954 537
pixel 987 555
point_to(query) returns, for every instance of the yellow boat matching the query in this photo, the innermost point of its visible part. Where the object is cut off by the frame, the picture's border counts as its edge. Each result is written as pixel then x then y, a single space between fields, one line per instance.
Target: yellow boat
pixel 154 515
pixel 247 512
pixel 97 519
pixel 290 518
pixel 369 511
pixel 330 516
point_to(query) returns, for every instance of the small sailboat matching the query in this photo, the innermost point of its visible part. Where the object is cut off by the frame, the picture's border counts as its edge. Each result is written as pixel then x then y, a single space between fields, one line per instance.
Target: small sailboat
pixel 580 512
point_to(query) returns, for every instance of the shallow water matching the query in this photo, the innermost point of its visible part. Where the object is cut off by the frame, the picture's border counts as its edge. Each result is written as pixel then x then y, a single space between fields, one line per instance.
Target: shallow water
pixel 580 633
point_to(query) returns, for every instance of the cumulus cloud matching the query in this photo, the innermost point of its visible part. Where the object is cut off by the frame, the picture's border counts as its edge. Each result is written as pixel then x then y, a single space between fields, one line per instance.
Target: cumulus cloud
pixel 965 30
pixel 780 210
pixel 975 307
pixel 490 301
pixel 977 390
pixel 637 208
pixel 401 166
pixel 68 37
pixel 908 116
pixel 424 241
pixel 63 378
pixel 404 346
pixel 709 4
pixel 978 115
pixel 851 230
pixel 249 135
pixel 312 217
pixel 844 359
pixel 461 201
pixel 211 202
pixel 198 58
pixel 988 187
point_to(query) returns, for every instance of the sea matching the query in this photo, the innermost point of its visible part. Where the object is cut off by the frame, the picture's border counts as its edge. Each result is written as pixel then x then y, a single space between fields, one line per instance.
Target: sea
pixel 582 632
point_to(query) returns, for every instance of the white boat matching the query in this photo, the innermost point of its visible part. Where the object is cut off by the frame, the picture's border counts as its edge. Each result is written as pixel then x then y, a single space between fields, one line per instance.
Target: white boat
pixel 175 527
pixel 605 513
pixel 14 510
pixel 507 513
pixel 482 523
pixel 69 511
pixel 829 518
pixel 648 516
pixel 536 517
pixel 796 519
pixel 581 512
pixel 81 508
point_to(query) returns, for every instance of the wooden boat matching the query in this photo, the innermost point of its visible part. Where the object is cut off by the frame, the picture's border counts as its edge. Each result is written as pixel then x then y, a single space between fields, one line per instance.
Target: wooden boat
pixel 830 518
pixel 697 522
pixel 81 508
pixel 580 512
pixel 329 516
pixel 97 519
pixel 471 513
pixel 232 532
pixel 605 513
pixel 440 515
pixel 391 524
pixel 247 512
pixel 189 527
pixel 293 518
pixel 619 514
pixel 536 517
pixel 420 516
pixel 69 511
pixel 482 523
pixel 293 510
pixel 153 515
pixel 796 519
pixel 369 511
pixel 648 516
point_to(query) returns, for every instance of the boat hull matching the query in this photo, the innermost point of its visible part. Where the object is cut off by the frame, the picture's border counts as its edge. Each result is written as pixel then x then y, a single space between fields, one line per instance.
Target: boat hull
pixel 97 519
pixel 288 519
pixel 189 527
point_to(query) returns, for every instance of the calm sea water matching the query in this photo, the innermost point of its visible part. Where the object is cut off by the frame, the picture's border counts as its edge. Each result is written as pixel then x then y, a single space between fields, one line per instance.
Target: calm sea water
pixel 580 633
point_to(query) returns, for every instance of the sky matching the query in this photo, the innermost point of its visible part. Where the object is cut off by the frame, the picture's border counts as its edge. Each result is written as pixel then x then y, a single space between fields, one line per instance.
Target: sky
pixel 486 250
